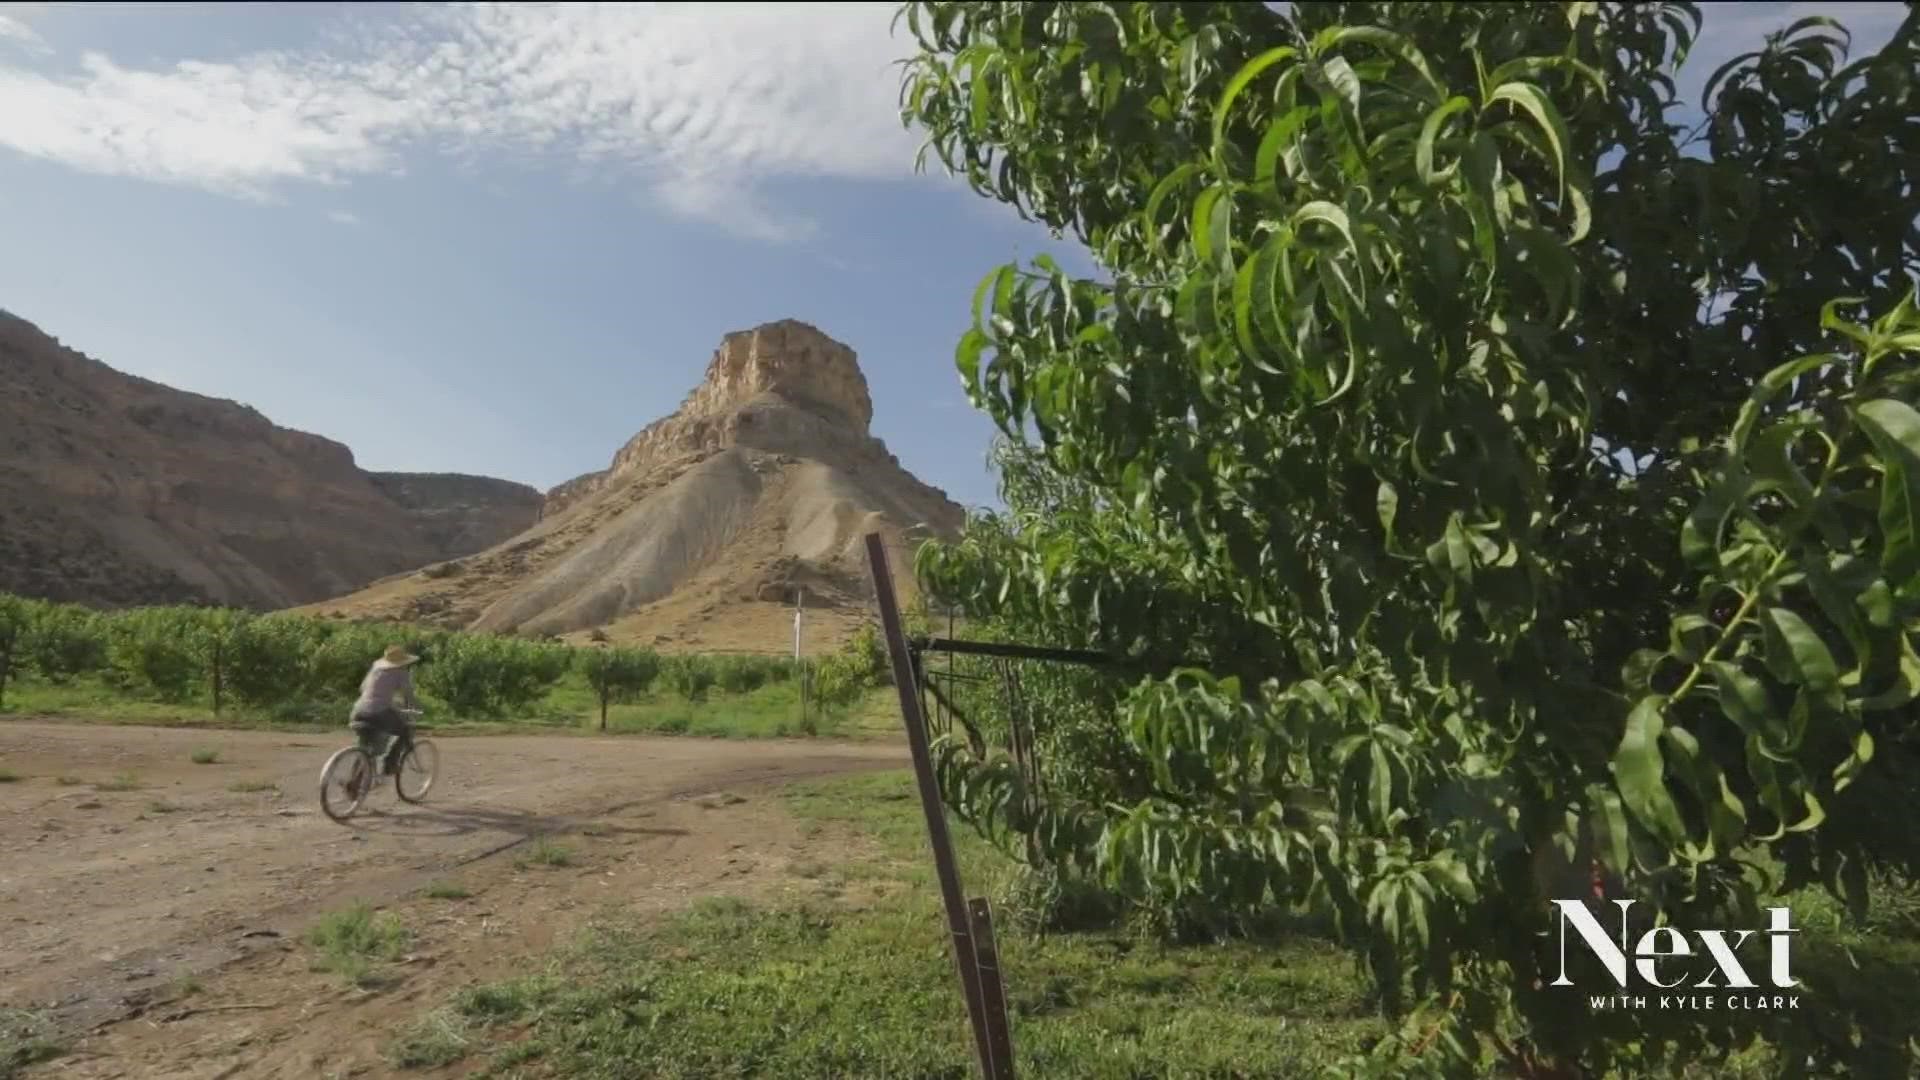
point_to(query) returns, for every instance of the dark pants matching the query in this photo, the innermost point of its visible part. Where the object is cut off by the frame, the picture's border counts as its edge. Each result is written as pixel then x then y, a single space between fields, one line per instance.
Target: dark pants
pixel 377 729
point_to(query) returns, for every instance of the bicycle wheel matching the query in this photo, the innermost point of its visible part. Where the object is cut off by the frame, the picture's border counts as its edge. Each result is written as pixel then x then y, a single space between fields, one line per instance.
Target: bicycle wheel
pixel 414 778
pixel 345 780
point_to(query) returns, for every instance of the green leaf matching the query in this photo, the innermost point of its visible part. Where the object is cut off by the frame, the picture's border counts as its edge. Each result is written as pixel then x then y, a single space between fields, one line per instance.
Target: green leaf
pixel 1528 68
pixel 1386 41
pixel 1241 80
pixel 1172 182
pixel 1796 654
pixel 1429 134
pixel 1637 673
pixel 1387 500
pixel 1847 771
pixel 1330 214
pixel 1640 772
pixel 1816 814
pixel 1213 221
pixel 1380 782
pixel 1609 824
pixel 1894 427
pixel 1535 103
pixel 1700 532
pixel 967 358
pixel 1744 700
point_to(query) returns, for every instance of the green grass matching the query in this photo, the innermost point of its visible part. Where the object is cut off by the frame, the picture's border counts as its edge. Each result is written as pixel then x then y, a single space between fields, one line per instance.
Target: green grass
pixel 772 711
pixel 813 988
pixel 441 1037
pixel 250 787
pixel 352 943
pixel 447 890
pixel 8 776
pixel 546 853
pixel 125 781
pixel 206 756
pixel 159 806
pixel 25 1039
pixel 818 987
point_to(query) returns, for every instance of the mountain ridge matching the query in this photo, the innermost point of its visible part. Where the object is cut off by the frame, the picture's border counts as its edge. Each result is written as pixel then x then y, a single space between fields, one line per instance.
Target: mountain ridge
pixel 118 490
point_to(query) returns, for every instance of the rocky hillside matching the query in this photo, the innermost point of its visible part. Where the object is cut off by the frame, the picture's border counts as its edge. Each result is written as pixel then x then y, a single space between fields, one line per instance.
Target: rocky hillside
pixel 708 523
pixel 118 490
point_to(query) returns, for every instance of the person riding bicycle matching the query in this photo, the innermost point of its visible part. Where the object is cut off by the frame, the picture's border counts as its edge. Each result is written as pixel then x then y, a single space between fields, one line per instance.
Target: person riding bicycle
pixel 375 718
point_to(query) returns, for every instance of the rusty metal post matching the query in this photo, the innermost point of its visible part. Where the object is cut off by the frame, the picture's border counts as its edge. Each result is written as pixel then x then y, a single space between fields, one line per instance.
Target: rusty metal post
pixel 993 1065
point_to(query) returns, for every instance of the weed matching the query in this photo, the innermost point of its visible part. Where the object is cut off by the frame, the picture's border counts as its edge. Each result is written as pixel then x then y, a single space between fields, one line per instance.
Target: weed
pixel 8 776
pixel 26 1038
pixel 350 942
pixel 447 890
pixel 546 853
pixel 68 781
pixel 125 781
pixel 161 806
pixel 206 756
pixel 249 787
pixel 439 1038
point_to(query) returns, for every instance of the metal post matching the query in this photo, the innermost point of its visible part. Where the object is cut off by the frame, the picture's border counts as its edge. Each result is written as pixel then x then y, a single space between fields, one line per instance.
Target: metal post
pixel 987 1049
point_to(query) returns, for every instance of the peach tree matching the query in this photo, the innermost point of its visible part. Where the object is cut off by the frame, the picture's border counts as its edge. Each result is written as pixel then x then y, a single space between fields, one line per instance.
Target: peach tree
pixel 1525 459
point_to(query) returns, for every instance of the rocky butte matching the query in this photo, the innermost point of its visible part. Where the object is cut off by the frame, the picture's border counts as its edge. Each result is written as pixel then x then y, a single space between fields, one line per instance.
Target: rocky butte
pixel 710 522
pixel 116 490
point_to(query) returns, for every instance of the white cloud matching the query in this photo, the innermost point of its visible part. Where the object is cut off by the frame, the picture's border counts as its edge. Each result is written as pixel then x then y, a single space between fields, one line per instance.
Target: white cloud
pixel 343 217
pixel 14 31
pixel 700 103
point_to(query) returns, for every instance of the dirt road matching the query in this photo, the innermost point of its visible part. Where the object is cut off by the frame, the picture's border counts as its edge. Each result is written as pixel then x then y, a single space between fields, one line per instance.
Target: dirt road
pixel 125 867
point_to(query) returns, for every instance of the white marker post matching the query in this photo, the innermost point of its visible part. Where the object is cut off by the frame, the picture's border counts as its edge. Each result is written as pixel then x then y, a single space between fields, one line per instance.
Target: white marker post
pixel 799 605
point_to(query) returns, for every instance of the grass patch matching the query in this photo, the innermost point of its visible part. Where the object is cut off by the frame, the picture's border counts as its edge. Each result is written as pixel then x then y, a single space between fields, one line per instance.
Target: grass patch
pixel 250 787
pixel 161 806
pixel 68 781
pixel 8 776
pixel 26 1038
pixel 441 1037
pixel 187 986
pixel 815 989
pixel 125 781
pixel 352 943
pixel 447 890
pixel 206 756
pixel 546 853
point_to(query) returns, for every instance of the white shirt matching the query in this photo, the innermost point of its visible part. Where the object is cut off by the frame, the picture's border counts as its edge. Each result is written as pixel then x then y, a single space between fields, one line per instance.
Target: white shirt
pixel 383 682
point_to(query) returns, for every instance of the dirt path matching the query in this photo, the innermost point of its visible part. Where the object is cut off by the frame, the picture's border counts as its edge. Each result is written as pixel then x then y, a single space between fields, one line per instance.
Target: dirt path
pixel 126 868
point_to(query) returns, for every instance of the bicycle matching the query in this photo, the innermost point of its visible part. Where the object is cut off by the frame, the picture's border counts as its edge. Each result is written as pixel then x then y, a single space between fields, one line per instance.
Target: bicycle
pixel 352 772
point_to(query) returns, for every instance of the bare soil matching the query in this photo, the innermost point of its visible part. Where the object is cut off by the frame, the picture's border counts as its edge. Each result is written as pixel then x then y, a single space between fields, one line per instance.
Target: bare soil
pixel 154 906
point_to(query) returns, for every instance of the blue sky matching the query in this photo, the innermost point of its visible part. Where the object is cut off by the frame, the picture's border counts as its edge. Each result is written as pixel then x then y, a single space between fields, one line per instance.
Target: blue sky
pixel 501 240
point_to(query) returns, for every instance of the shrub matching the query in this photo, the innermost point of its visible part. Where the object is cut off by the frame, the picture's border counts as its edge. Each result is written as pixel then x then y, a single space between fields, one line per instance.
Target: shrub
pixel 619 675
pixel 153 650
pixel 63 641
pixel 690 676
pixel 745 674
pixel 484 675
pixel 13 625
pixel 269 660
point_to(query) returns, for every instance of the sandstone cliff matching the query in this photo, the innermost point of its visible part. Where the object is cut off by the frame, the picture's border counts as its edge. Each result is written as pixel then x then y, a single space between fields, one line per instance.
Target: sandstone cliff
pixel 119 490
pixel 709 522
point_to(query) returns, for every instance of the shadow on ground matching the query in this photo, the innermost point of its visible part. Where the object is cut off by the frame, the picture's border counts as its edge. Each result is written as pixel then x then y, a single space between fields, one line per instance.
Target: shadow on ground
pixel 460 820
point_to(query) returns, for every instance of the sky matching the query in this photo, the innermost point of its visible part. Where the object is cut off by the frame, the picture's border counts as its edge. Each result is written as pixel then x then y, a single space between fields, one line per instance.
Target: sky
pixel 501 239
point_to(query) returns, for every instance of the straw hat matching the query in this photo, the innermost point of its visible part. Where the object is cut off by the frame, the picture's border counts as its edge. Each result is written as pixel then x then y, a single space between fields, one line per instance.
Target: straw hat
pixel 398 656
